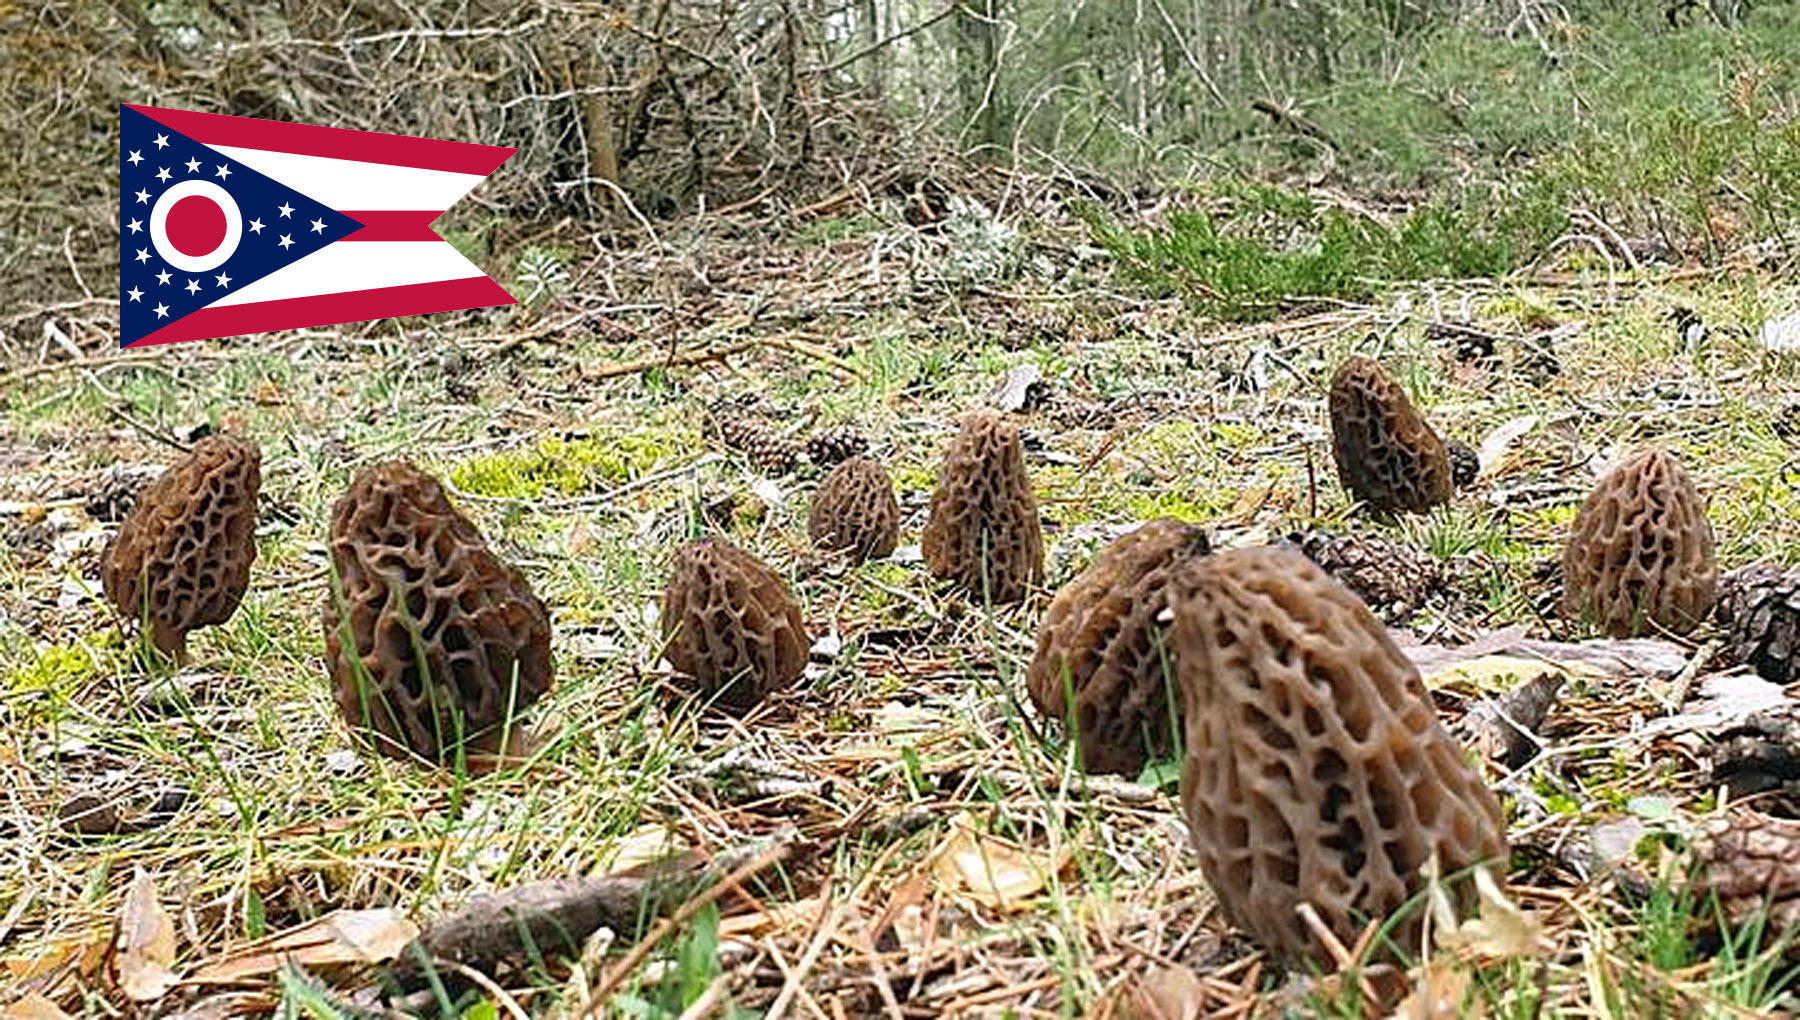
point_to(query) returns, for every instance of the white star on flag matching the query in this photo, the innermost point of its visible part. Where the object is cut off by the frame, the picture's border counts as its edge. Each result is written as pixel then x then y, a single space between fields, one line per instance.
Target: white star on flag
pixel 318 226
pixel 135 293
pixel 162 141
pixel 224 281
pixel 162 174
pixel 162 277
pixel 193 287
pixel 256 226
pixel 162 311
pixel 134 159
pixel 143 255
pixel 143 196
pixel 193 166
pixel 285 209
pixel 135 226
pixel 285 241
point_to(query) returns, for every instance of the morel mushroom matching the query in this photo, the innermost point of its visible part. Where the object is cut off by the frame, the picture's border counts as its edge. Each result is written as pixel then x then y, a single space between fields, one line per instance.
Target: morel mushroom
pixel 1386 453
pixel 1103 643
pixel 1640 554
pixel 182 557
pixel 983 532
pixel 730 623
pixel 1760 608
pixel 855 509
pixel 435 644
pixel 1316 769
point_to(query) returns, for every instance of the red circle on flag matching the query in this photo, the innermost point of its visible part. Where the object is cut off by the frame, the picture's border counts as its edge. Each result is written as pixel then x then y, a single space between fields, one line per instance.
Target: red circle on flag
pixel 196 225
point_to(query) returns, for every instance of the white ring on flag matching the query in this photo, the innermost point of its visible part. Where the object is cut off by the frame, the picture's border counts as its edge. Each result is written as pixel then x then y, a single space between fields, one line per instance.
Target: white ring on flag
pixel 159 219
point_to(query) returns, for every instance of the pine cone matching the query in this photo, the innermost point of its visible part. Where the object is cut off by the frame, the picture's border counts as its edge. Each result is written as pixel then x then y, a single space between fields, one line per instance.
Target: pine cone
pixel 749 433
pixel 1465 463
pixel 1394 580
pixel 831 447
pixel 1760 607
pixel 1752 864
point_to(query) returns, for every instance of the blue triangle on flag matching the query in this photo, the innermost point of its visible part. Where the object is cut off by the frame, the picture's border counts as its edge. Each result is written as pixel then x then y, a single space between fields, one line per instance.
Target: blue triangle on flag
pixel 169 181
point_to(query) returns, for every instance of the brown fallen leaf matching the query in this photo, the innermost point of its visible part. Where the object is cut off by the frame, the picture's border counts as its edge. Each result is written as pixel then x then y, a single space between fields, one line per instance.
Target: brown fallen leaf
pixel 144 952
pixel 991 871
pixel 1165 993
pixel 32 1007
pixel 340 937
pixel 1439 995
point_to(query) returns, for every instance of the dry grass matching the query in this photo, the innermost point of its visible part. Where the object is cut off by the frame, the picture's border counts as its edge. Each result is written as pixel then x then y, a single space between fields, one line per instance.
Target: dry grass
pixel 907 750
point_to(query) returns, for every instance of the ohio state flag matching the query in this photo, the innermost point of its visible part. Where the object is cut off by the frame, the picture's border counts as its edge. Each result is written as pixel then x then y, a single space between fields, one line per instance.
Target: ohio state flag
pixel 231 225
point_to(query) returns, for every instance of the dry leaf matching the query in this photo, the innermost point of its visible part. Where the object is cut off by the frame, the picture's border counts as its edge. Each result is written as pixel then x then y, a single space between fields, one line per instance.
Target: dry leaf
pixel 1490 674
pixel 643 845
pixel 1439 996
pixel 1500 930
pixel 1498 442
pixel 146 944
pixel 1165 993
pixel 992 872
pixel 340 937
pixel 32 1007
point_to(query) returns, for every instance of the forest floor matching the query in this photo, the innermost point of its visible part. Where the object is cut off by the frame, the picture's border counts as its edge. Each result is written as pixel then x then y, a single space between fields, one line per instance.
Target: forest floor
pixel 920 843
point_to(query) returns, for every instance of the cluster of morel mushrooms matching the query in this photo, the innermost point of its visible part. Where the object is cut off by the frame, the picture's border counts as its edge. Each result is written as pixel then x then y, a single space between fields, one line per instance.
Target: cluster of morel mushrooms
pixel 1316 770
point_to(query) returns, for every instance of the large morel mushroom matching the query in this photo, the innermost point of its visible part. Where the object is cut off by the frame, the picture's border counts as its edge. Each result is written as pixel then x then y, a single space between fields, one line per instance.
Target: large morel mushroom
pixel 1316 769
pixel 729 622
pixel 983 532
pixel 855 509
pixel 1640 554
pixel 435 644
pixel 1102 641
pixel 1387 455
pixel 182 557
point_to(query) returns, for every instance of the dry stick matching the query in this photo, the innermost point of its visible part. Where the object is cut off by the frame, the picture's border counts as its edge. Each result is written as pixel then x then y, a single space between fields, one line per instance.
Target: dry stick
pixel 670 360
pixel 662 929
pixel 24 374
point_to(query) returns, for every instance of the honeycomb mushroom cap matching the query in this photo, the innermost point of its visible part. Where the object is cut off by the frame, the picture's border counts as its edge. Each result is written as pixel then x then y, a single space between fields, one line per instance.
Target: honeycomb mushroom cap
pixel 182 557
pixel 729 622
pixel 1316 768
pixel 983 532
pixel 1641 551
pixel 1102 641
pixel 1387 455
pixel 434 642
pixel 855 508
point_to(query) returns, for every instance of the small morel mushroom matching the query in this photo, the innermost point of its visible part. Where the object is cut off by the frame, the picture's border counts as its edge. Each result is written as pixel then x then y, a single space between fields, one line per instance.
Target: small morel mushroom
pixel 983 532
pixel 1640 554
pixel 730 623
pixel 855 509
pixel 1316 769
pixel 435 644
pixel 1386 453
pixel 182 557
pixel 1760 608
pixel 1103 642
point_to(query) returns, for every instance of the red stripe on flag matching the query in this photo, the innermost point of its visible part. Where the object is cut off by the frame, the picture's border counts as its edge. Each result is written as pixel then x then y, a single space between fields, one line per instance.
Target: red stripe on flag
pixel 332 309
pixel 393 225
pixel 337 143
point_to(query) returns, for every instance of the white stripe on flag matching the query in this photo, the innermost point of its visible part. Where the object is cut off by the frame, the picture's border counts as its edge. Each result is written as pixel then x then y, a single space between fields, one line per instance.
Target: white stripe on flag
pixel 358 265
pixel 348 184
